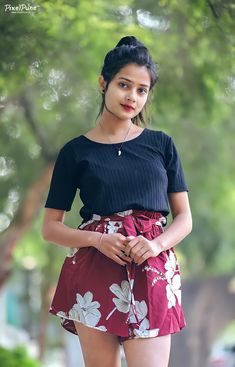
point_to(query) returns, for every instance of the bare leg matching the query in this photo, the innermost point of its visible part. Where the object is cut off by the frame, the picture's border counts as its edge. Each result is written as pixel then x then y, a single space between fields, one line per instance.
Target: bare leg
pixel 148 352
pixel 99 348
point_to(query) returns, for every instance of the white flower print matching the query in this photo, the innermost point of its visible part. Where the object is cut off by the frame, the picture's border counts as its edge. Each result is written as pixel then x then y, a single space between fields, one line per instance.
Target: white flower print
pixel 72 251
pixel 146 333
pixel 85 310
pixel 62 314
pixel 143 329
pixel 141 313
pixel 102 328
pixel 170 266
pixel 159 276
pixel 173 291
pixel 113 226
pixel 123 293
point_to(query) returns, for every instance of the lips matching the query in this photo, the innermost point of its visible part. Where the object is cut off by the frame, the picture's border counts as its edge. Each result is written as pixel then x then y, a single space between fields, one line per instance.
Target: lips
pixel 127 108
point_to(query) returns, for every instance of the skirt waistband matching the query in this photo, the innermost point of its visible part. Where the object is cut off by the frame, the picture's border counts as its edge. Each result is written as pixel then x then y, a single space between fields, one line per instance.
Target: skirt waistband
pixel 123 216
pixel 132 212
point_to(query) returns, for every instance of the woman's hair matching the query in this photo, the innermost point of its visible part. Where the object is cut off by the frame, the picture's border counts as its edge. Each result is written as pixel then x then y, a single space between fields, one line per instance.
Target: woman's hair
pixel 128 50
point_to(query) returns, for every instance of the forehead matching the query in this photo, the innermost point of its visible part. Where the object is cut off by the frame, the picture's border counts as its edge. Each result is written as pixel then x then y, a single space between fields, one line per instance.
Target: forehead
pixel 136 73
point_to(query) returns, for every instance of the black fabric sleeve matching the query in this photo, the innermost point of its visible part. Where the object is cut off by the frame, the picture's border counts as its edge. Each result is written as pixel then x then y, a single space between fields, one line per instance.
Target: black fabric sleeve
pixel 175 174
pixel 63 185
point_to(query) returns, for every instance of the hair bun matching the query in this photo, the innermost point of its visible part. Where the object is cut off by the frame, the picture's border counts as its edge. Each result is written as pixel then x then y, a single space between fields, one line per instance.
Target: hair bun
pixel 129 41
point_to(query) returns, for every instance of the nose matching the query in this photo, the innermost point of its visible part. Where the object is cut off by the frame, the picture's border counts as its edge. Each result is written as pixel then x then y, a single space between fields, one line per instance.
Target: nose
pixel 131 96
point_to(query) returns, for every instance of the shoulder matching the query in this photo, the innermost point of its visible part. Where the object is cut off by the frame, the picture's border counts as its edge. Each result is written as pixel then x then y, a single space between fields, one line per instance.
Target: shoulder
pixel 78 140
pixel 73 145
pixel 69 152
pixel 159 137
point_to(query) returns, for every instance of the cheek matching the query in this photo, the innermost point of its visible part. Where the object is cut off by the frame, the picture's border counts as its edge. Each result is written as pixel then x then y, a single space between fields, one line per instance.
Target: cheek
pixel 113 96
pixel 108 99
pixel 142 102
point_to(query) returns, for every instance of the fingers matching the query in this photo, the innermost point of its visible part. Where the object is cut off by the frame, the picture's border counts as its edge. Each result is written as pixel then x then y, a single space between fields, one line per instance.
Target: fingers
pixel 125 250
pixel 118 260
pixel 121 237
pixel 123 256
pixel 113 246
pixel 138 249
pixel 129 238
pixel 121 259
pixel 144 257
pixel 137 257
pixel 121 246
pixel 130 246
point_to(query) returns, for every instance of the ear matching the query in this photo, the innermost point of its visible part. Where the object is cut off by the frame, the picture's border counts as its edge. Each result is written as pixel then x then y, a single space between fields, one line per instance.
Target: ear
pixel 102 83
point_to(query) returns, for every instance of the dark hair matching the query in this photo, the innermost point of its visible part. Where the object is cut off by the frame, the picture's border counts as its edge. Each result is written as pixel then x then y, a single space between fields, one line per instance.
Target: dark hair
pixel 128 50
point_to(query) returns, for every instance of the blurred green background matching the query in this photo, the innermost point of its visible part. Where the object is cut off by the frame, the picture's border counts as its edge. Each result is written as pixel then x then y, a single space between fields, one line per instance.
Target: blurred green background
pixel 51 58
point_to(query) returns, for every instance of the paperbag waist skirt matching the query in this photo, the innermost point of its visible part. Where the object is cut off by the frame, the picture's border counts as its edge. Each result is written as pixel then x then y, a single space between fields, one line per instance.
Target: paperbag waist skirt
pixel 130 301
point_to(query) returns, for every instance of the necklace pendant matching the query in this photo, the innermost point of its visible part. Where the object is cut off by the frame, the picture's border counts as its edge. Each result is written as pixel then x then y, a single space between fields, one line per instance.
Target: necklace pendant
pixel 119 152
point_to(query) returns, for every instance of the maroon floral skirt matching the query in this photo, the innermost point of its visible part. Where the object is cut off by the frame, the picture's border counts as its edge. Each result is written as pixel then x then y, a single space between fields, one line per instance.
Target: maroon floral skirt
pixel 131 301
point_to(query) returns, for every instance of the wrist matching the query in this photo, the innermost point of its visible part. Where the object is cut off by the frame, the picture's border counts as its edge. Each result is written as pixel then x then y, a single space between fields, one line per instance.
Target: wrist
pixel 159 244
pixel 94 239
pixel 98 242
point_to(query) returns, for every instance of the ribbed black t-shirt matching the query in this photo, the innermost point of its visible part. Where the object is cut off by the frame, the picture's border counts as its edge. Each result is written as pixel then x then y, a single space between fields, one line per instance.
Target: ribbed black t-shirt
pixel 140 178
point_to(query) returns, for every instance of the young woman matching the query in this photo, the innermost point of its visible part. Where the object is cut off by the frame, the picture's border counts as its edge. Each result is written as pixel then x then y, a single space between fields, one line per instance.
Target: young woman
pixel 121 282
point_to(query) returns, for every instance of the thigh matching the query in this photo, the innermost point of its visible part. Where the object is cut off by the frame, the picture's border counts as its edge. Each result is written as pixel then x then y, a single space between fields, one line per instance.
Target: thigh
pixel 99 348
pixel 148 352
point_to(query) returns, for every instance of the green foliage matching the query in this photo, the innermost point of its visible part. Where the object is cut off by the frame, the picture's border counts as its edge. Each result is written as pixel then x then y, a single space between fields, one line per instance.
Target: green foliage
pixel 55 65
pixel 42 256
pixel 16 357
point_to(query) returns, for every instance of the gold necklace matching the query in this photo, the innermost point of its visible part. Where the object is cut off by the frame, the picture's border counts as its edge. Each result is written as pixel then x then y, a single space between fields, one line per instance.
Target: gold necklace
pixel 119 152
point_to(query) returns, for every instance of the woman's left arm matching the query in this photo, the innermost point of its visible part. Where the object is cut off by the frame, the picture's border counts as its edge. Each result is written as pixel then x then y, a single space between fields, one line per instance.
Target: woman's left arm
pixel 140 249
pixel 181 225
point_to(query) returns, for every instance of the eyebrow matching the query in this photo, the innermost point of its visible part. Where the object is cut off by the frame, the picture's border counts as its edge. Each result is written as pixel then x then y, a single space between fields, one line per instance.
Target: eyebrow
pixel 128 80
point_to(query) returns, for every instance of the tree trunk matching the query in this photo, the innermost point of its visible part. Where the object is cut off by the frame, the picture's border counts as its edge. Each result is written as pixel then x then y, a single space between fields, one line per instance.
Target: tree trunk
pixel 28 210
pixel 47 293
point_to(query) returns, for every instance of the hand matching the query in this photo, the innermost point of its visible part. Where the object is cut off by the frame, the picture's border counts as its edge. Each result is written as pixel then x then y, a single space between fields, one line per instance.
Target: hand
pixel 113 246
pixel 140 249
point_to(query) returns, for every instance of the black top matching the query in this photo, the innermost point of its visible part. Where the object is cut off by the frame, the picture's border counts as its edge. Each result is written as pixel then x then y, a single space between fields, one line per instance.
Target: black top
pixel 140 178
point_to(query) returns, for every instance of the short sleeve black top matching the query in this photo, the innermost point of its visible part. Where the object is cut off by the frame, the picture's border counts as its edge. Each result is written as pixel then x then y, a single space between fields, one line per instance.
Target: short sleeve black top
pixel 140 178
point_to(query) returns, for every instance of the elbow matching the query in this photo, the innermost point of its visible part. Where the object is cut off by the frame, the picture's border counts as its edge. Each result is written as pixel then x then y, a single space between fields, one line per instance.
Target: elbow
pixel 190 225
pixel 50 224
pixel 46 232
pixel 190 228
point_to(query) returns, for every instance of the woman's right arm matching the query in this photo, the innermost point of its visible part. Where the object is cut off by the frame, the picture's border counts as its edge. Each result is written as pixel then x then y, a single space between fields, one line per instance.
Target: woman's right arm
pixel 55 231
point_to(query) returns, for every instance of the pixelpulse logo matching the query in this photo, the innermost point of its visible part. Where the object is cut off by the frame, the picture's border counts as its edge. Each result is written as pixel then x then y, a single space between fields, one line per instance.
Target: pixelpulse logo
pixel 21 8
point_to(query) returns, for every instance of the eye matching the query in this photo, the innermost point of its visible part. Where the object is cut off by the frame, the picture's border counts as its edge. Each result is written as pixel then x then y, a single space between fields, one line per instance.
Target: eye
pixel 123 85
pixel 143 91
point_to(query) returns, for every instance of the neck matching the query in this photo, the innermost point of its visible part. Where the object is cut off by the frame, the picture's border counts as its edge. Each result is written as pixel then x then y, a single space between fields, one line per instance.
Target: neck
pixel 112 125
